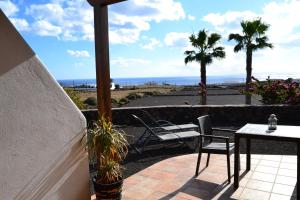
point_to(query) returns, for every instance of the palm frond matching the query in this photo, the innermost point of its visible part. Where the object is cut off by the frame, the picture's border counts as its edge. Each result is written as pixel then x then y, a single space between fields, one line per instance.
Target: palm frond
pixel 238 47
pixel 194 41
pixel 202 37
pixel 218 52
pixel 189 58
pixel 236 37
pixel 213 39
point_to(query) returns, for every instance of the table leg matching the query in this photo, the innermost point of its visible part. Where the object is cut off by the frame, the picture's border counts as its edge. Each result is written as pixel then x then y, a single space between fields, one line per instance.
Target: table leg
pixel 248 146
pixel 236 161
pixel 298 170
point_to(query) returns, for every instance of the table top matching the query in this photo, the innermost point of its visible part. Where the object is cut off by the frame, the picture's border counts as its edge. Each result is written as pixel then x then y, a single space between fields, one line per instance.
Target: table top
pixel 261 130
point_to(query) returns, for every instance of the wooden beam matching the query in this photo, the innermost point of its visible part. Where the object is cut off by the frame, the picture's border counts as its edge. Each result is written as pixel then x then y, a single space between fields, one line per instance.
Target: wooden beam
pixel 102 61
pixel 103 2
pixel 102 55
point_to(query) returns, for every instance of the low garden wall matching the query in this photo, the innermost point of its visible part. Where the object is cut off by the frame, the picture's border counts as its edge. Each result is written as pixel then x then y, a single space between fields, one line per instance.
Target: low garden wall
pixel 228 115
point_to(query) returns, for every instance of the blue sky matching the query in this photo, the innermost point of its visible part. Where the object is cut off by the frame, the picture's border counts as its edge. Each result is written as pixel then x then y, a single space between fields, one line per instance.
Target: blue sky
pixel 148 37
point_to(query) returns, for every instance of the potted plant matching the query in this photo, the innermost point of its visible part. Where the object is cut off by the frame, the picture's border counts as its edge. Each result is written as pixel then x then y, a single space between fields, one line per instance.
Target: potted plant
pixel 108 147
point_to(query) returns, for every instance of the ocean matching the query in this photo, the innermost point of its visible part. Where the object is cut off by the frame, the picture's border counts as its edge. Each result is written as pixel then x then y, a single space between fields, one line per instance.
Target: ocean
pixel 192 80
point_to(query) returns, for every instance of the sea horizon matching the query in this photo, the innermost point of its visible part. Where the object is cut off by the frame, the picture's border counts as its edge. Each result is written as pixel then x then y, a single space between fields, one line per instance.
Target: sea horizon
pixel 180 81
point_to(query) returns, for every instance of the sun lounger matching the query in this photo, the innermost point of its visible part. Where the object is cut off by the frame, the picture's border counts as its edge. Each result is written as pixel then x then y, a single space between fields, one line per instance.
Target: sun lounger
pixel 166 125
pixel 159 135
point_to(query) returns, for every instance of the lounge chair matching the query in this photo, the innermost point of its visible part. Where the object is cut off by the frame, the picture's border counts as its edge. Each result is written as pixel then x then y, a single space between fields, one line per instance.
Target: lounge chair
pixel 209 145
pixel 167 125
pixel 160 135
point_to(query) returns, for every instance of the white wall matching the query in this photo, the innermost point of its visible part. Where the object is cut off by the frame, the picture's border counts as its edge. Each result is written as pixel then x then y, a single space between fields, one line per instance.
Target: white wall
pixel 40 128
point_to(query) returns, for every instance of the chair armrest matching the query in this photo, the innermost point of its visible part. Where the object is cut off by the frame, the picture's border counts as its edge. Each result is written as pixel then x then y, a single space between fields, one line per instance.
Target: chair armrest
pixel 223 129
pixel 215 137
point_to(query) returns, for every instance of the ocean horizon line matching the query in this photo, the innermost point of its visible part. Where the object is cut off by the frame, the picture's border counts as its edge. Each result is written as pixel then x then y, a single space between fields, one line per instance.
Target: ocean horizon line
pixel 184 80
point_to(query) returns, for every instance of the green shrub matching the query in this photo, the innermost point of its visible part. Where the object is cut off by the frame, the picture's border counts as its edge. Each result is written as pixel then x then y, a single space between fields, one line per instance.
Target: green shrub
pixel 75 96
pixel 114 101
pixel 151 93
pixel 123 101
pixel 91 101
pixel 133 96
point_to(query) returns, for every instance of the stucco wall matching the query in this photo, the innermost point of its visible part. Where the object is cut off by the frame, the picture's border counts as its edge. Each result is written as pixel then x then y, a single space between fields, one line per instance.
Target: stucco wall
pixel 40 128
pixel 229 115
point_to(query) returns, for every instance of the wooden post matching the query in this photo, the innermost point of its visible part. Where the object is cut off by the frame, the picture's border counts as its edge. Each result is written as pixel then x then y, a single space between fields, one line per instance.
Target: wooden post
pixel 102 55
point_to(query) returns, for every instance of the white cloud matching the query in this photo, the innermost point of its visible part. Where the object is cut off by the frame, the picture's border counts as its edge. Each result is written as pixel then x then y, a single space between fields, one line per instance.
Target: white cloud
pixel 152 44
pixel 9 8
pixel 77 53
pixel 176 39
pixel 20 24
pixel 230 21
pixel 45 28
pixel 126 20
pixel 283 18
pixel 129 62
pixel 191 17
pixel 284 33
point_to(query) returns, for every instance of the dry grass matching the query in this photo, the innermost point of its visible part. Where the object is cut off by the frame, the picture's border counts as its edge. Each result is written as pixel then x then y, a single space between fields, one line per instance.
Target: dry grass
pixel 119 94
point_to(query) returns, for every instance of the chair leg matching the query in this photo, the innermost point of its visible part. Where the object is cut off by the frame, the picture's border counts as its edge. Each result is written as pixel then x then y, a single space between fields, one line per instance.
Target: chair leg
pixel 207 161
pixel 239 162
pixel 198 162
pixel 228 166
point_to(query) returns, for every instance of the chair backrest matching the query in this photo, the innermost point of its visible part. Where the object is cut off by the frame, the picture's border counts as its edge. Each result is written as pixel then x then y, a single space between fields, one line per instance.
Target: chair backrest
pixel 144 124
pixel 205 125
pixel 149 118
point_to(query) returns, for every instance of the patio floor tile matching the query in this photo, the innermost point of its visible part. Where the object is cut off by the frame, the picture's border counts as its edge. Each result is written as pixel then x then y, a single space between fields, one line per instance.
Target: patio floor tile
pixel 271 177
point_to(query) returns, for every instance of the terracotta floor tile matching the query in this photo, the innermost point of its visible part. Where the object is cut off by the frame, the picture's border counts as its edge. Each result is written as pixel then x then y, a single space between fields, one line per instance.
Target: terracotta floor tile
pixel 286 180
pixel 283 189
pixel 156 195
pixel 137 193
pixel 174 179
pixel 193 193
pixel 251 194
pixel 228 193
pixel 259 185
pixel 169 187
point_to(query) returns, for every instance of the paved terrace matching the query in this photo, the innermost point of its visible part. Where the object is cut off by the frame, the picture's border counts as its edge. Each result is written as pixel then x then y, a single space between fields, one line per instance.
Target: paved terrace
pixel 271 177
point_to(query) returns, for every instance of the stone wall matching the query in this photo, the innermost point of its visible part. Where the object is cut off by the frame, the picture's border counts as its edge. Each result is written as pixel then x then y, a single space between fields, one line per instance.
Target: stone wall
pixel 228 115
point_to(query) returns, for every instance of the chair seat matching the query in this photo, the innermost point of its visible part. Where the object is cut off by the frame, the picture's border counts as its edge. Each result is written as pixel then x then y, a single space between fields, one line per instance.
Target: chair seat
pixel 179 127
pixel 179 135
pixel 217 147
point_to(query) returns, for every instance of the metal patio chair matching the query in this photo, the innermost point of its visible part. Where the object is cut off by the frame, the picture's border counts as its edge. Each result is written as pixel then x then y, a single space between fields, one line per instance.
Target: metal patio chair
pixel 158 134
pixel 209 145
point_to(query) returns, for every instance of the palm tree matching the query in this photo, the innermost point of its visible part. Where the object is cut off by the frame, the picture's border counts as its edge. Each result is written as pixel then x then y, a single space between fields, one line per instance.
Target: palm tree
pixel 206 44
pixel 253 38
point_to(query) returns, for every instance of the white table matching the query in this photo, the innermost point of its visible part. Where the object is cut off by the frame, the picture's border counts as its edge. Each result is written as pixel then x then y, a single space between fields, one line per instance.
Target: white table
pixel 260 131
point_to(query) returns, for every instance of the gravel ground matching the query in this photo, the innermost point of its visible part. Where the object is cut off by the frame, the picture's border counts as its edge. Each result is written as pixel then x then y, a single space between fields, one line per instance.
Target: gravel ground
pixel 190 100
pixel 215 96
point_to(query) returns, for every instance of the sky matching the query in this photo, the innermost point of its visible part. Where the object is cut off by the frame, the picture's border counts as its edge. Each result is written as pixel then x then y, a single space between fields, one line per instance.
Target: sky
pixel 148 37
